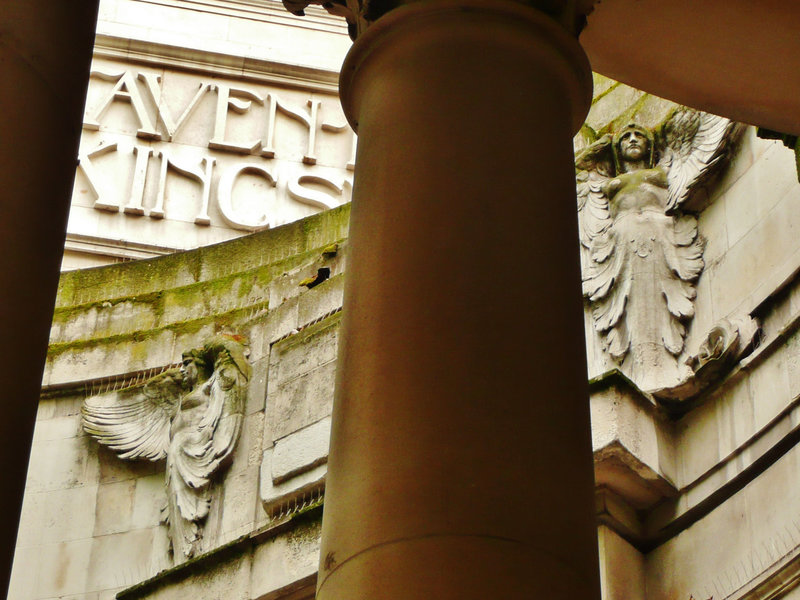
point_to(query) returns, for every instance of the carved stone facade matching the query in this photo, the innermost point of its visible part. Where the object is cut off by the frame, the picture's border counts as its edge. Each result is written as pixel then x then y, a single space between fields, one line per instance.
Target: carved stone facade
pixel 190 139
pixel 695 436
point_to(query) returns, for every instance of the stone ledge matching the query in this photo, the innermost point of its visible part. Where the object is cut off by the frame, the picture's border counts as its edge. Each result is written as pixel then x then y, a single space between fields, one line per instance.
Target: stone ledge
pixel 215 63
pixel 203 264
pixel 207 562
pixel 631 440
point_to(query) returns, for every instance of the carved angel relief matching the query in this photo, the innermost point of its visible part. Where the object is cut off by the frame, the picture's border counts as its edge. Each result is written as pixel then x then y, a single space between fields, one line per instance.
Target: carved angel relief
pixel 191 416
pixel 641 255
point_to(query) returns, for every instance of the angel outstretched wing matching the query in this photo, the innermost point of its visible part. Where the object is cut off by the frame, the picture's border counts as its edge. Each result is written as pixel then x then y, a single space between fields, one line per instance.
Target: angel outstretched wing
pixel 135 421
pixel 192 417
pixel 694 146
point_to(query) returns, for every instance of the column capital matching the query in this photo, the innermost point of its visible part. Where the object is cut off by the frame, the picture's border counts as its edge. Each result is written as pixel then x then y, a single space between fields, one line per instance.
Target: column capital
pixel 507 30
pixel 360 14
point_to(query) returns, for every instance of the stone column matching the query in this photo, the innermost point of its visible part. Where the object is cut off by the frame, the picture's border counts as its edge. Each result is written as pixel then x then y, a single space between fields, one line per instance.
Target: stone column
pixel 45 51
pixel 460 464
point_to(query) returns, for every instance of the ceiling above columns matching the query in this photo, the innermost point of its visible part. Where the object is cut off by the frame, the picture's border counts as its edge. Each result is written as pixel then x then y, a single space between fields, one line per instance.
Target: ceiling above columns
pixel 736 58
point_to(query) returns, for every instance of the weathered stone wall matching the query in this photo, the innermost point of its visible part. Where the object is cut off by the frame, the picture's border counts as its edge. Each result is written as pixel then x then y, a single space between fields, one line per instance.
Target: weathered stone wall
pixel 91 522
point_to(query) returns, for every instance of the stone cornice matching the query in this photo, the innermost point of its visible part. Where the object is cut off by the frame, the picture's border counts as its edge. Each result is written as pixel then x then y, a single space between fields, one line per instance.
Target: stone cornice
pixel 207 562
pixel 214 63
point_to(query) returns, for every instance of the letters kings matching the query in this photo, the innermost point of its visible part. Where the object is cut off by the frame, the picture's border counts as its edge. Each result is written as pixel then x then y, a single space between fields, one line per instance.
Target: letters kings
pixel 175 146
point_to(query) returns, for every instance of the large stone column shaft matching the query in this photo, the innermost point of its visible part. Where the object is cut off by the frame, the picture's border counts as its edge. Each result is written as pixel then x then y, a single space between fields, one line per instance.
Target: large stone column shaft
pixel 460 463
pixel 45 51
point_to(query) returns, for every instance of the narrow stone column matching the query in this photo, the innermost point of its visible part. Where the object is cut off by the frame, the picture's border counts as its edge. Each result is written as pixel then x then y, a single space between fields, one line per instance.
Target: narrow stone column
pixel 460 464
pixel 45 49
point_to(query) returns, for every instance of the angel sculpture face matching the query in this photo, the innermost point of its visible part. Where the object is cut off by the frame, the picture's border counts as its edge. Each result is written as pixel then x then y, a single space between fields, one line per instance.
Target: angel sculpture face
pixel 633 146
pixel 189 371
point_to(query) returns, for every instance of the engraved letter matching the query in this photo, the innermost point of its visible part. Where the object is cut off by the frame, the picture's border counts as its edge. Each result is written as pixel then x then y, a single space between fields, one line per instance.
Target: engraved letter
pixel 226 192
pixel 351 163
pixel 153 86
pixel 201 174
pixel 85 164
pixel 313 197
pixel 309 119
pixel 240 104
pixel 125 89
pixel 134 205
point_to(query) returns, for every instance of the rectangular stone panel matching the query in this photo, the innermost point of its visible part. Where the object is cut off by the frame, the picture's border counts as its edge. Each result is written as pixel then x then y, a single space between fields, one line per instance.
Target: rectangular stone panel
pixel 301 378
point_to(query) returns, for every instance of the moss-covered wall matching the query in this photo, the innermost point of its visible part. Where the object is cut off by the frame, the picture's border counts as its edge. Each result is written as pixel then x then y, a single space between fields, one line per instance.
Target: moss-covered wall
pixel 139 314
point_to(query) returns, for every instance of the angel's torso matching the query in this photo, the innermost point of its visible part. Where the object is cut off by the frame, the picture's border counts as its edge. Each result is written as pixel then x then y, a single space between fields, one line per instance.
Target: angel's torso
pixel 193 406
pixel 637 191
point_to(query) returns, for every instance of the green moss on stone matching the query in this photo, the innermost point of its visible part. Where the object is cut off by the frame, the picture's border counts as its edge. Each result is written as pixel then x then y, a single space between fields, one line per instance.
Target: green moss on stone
pixel 139 278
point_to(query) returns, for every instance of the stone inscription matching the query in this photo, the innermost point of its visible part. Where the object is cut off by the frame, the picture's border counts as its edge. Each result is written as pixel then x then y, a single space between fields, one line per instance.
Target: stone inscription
pixel 212 152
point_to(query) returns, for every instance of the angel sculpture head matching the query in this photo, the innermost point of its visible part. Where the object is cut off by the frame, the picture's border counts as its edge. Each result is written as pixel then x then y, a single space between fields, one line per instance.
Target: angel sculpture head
pixel 634 148
pixel 189 415
pixel 640 253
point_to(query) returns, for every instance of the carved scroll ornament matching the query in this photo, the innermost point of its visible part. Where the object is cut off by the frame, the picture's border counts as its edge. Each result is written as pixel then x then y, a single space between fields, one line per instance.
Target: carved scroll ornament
pixel 724 345
pixel 192 417
pixel 641 255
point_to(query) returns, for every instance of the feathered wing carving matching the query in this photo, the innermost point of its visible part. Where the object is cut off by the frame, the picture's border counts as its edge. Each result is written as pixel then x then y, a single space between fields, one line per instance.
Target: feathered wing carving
pixel 605 280
pixel 694 146
pixel 204 434
pixel 135 422
pixel 683 256
pixel 192 417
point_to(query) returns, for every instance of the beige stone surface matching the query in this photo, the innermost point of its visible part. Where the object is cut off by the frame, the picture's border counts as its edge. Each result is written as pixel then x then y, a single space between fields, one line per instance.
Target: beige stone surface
pixel 148 500
pixel 61 569
pixel 114 509
pixel 285 560
pixel 122 560
pixel 61 464
pixel 622 568
pixel 301 380
pixel 753 530
pixel 240 496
